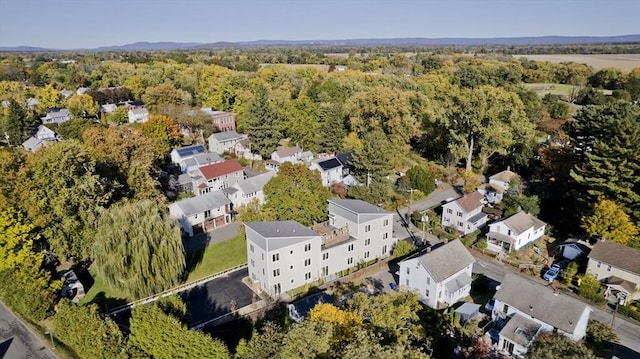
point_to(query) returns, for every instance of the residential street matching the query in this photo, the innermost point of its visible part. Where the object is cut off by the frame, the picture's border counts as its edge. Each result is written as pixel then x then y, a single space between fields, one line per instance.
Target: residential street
pixel 627 330
pixel 17 340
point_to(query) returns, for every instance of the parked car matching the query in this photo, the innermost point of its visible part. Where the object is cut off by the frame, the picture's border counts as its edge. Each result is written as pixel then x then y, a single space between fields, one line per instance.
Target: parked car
pixel 563 264
pixel 552 273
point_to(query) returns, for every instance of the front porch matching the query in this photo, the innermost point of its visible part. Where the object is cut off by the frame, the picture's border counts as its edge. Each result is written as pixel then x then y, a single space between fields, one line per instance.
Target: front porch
pixel 619 290
pixel 498 242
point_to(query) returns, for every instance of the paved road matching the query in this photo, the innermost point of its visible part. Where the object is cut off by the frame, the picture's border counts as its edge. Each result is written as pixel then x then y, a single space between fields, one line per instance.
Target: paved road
pixel 627 330
pixel 434 199
pixel 17 340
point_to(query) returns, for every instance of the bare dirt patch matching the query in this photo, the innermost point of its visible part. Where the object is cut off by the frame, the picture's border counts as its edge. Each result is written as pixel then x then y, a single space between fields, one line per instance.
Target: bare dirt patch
pixel 624 62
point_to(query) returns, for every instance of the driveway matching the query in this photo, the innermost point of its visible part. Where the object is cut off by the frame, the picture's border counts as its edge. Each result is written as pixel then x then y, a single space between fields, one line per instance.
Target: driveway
pixel 17 340
pixel 403 229
pixel 628 331
pixel 218 235
pixel 217 297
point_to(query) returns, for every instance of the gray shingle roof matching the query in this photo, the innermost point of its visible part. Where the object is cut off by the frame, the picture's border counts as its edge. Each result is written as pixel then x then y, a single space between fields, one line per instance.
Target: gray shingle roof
pixel 358 206
pixel 522 221
pixel 504 176
pixel 199 204
pixel 540 302
pixel 255 184
pixel 281 229
pixel 446 260
pixel 520 330
pixel 617 255
pixel 227 136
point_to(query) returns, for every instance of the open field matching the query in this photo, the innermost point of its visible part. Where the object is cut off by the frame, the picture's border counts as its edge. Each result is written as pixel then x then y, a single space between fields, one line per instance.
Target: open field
pixel 624 62
pixel 555 89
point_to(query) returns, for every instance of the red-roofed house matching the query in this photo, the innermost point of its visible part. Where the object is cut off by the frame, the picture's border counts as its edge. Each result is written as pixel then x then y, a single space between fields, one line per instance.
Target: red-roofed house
pixel 217 176
pixel 465 213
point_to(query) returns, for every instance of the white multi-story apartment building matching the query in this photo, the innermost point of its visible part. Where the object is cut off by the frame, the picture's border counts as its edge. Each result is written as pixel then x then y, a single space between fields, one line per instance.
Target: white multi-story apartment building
pixel 284 255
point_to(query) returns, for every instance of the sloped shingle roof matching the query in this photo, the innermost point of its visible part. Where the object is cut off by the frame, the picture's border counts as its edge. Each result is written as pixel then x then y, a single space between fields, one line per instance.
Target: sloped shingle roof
pixel 227 136
pixel 220 169
pixel 522 221
pixel 199 204
pixel 540 302
pixel 255 184
pixel 504 176
pixel 287 151
pixel 470 201
pixel 617 255
pixel 446 260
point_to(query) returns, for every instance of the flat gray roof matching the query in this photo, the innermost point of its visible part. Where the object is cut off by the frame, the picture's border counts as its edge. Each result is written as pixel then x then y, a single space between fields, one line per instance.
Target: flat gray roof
pixel 358 206
pixel 281 229
pixel 520 330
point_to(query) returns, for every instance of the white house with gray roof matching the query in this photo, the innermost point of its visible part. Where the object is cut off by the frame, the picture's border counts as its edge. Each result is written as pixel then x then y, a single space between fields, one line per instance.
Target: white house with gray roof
pixel 245 191
pixel 440 277
pixel 138 115
pixel 514 232
pixel 202 213
pixel 222 142
pixel 41 138
pixel 523 310
pixel 56 115
pixel 286 255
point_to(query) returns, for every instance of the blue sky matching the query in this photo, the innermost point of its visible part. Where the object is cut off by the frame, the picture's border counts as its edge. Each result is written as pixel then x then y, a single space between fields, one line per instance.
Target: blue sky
pixel 94 23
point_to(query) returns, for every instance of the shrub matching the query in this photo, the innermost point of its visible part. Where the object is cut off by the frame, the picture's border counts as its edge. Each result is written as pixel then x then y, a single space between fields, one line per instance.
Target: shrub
pixel 590 288
pixel 403 248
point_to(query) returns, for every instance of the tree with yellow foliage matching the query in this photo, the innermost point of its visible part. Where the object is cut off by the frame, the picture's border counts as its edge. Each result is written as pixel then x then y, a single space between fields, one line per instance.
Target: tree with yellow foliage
pixel 164 131
pixel 344 322
pixel 609 221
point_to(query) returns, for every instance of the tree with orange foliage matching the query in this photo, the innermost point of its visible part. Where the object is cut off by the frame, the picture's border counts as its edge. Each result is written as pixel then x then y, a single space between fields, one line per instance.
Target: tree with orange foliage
pixel 164 131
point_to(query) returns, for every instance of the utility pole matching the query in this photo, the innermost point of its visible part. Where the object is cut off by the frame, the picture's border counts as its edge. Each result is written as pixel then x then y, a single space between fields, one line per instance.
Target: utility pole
pixel 411 190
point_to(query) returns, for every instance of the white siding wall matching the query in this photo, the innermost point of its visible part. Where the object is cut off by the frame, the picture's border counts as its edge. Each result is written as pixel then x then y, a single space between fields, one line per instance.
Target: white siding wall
pixel 414 277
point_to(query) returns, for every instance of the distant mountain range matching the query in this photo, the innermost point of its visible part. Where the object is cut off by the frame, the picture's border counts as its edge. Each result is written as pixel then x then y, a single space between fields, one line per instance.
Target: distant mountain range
pixel 417 41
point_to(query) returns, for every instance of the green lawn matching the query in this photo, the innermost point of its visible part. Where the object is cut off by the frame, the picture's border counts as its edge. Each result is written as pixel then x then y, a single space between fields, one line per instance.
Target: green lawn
pixel 555 89
pixel 217 257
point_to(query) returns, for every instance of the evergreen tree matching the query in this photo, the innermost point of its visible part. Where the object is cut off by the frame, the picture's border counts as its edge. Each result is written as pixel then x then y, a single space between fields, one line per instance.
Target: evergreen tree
pixel 332 127
pixel 16 124
pixel 138 249
pixel 262 123
pixel 373 161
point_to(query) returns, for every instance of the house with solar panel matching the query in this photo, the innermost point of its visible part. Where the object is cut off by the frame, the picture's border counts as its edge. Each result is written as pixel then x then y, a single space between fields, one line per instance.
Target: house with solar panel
pixel 333 170
pixel 440 277
pixel 190 158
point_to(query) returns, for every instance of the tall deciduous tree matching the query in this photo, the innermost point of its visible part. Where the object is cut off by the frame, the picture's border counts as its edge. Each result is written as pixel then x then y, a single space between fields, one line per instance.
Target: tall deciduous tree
pixel 261 123
pixel 373 161
pixel 302 126
pixel 161 336
pixel 138 249
pixel 558 346
pixel 87 332
pixel 48 97
pixel 16 240
pixel 62 190
pixel 332 127
pixel 10 163
pixel 296 194
pixel 165 94
pixel 82 105
pixel 610 222
pixel 164 132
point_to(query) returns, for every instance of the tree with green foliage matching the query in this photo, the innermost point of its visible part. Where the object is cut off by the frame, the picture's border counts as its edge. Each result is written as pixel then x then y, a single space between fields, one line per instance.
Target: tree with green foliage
pixel 609 138
pixel 378 191
pixel 332 127
pixel 87 332
pixel 48 97
pixel 138 249
pixel 74 128
pixel 558 345
pixel 15 123
pixel 421 179
pixel 296 193
pixel 403 248
pixel 607 78
pixel 609 221
pixel 600 335
pixel 555 107
pixel 165 94
pixel 160 335
pixel 62 189
pixel 164 132
pixel 261 123
pixel 120 115
pixel 10 163
pixel 16 240
pixel 569 273
pixel 591 288
pixel 373 161
pixel 302 126
pixel 82 105
pixel 307 340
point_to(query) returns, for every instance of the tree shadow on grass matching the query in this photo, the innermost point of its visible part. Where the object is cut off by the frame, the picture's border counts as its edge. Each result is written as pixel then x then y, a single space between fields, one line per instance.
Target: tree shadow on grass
pixel 232 331
pixel 193 259
pixel 107 304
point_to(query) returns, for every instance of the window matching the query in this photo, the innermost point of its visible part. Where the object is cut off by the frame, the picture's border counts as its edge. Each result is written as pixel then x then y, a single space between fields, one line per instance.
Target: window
pixel 367 241
pixel 350 248
pixel 428 280
pixel 385 223
pixel 599 264
pixel 251 248
pixel 277 289
pixel 307 276
pixel 460 224
pixel 407 282
pixel 263 271
pixel 291 251
pixel 291 266
pixel 609 268
pixel 325 271
pixel 384 250
pixel 307 247
pixel 459 214
pixel 350 260
pixel 207 213
pixel 426 293
pixel 307 262
pixel 292 281
pixel 385 235
pixel 262 256
pixel 367 228
pixel 253 263
pixel 449 210
pixel 276 272
pixel 366 254
pixel 276 257
pixel 325 256
pixel 408 270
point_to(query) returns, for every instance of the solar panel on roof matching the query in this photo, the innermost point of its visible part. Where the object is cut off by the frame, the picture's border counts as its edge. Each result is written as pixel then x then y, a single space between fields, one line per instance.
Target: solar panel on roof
pixel 187 151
